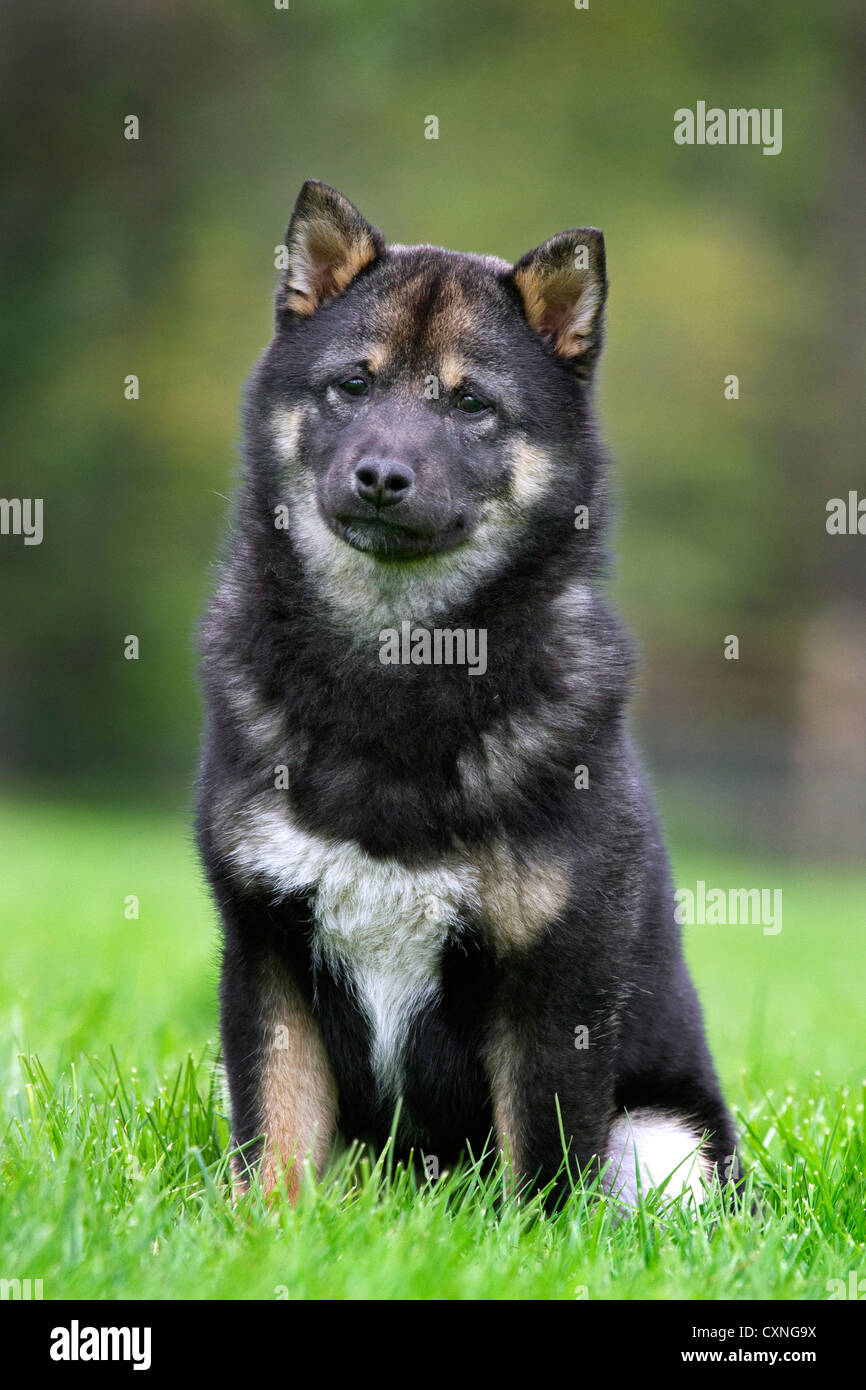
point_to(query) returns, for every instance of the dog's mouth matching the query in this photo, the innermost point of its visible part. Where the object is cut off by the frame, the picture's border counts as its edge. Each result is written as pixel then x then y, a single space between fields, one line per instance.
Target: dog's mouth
pixel 389 540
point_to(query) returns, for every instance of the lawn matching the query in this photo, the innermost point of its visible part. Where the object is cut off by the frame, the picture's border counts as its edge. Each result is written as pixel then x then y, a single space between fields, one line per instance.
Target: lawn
pixel 115 1140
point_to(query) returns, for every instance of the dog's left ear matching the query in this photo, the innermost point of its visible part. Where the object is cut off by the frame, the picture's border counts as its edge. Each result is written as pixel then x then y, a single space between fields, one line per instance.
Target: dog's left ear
pixel 328 243
pixel 563 287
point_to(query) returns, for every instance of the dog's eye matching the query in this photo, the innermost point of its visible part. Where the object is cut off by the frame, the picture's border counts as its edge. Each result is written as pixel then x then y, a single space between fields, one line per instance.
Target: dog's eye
pixel 470 405
pixel 354 386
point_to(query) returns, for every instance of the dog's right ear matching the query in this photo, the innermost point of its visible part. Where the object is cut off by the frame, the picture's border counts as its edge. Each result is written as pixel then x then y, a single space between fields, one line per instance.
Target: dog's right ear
pixel 328 244
pixel 563 286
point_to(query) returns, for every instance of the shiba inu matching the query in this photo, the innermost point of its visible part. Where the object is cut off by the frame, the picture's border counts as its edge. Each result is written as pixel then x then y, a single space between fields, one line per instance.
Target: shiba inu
pixel 440 886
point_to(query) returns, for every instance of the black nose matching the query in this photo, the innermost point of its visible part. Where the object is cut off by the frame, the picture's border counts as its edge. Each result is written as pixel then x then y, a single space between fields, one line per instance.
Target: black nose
pixel 381 482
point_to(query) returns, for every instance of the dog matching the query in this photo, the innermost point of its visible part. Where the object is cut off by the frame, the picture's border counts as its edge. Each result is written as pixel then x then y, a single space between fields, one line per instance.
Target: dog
pixel 442 883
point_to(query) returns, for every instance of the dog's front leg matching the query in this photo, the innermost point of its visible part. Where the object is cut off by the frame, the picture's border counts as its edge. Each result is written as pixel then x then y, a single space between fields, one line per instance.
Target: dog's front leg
pixel 552 1088
pixel 283 1093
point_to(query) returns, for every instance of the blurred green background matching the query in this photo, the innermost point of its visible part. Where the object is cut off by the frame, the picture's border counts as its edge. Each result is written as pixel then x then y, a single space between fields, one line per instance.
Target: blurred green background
pixel 155 257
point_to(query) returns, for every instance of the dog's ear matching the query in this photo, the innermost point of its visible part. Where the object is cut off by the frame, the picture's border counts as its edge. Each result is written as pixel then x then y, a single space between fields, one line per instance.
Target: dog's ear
pixel 563 287
pixel 328 244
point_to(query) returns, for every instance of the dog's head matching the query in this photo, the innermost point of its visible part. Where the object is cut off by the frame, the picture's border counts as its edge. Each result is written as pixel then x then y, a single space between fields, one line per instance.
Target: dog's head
pixel 423 413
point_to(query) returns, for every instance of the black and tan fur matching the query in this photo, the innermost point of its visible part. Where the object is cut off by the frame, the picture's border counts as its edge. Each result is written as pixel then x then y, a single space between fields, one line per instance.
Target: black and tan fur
pixel 418 903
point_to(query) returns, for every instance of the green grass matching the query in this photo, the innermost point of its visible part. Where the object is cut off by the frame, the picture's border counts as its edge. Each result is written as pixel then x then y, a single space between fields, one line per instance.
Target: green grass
pixel 115 1142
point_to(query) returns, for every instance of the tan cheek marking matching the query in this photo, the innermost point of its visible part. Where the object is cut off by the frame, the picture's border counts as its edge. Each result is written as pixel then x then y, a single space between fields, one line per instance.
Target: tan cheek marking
pixel 531 473
pixel 298 1091
pixel 286 429
pixel 519 900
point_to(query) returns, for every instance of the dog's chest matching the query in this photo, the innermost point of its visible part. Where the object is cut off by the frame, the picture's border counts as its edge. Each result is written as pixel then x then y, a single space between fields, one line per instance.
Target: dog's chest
pixel 382 929
pixel 379 926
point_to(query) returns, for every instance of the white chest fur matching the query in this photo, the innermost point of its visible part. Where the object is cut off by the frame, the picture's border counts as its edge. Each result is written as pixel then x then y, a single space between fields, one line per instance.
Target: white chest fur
pixel 378 924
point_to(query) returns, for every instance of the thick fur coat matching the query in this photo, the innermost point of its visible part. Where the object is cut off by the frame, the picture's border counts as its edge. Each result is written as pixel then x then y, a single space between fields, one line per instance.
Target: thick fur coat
pixel 440 886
